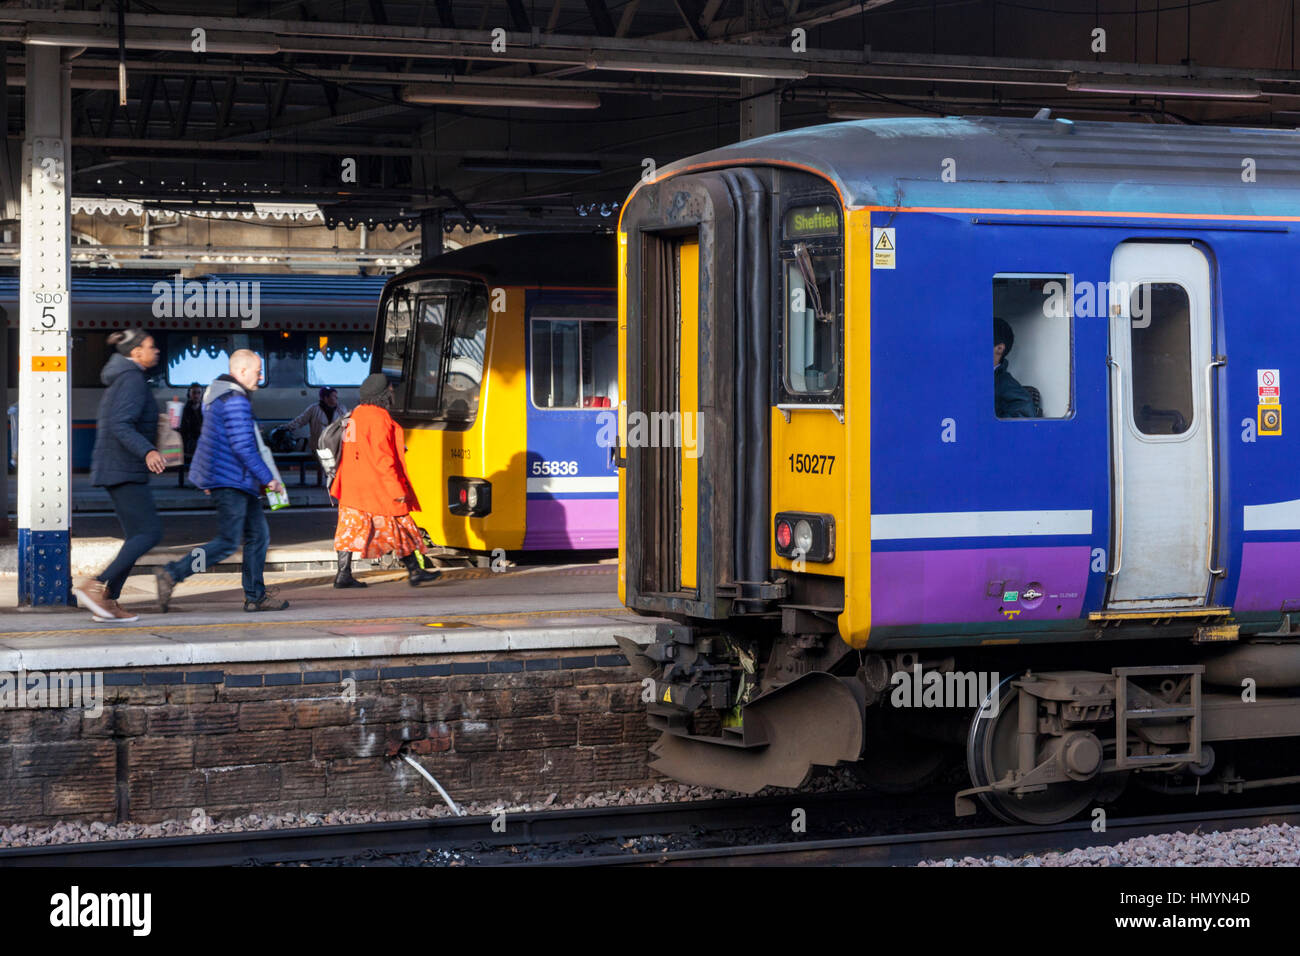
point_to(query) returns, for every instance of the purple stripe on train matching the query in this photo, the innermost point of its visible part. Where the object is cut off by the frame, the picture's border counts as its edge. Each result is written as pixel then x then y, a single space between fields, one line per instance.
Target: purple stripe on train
pixel 978 584
pixel 577 523
pixel 1269 580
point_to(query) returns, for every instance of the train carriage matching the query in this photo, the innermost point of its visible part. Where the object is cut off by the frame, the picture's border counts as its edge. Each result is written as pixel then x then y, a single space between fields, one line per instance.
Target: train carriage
pixel 504 360
pixel 1115 551
pixel 311 331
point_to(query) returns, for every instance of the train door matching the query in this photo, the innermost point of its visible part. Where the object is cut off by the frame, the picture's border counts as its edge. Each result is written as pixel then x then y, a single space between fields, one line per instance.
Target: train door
pixel 1161 426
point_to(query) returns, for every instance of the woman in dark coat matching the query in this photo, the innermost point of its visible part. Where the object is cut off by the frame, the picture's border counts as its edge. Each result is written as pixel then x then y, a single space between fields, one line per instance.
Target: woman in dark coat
pixel 123 459
pixel 374 494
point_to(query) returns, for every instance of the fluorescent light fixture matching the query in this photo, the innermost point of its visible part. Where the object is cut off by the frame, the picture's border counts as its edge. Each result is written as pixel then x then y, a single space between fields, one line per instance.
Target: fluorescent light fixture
pixel 469 94
pixel 1163 86
pixel 698 68
pixel 569 167
pixel 164 40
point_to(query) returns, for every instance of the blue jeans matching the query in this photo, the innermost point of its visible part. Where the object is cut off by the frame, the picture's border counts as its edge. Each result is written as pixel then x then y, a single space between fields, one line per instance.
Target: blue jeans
pixel 239 517
pixel 141 529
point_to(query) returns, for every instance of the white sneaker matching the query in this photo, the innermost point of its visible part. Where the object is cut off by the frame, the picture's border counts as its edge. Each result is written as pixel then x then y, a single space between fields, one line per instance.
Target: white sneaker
pixel 93 594
pixel 116 614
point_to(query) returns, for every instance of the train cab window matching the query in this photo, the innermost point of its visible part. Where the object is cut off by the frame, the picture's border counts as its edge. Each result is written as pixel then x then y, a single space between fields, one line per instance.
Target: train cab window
pixel 466 341
pixel 340 360
pixel 430 329
pixel 574 362
pixel 812 339
pixel 446 364
pixel 397 333
pixel 1161 344
pixel 1032 330
pixel 202 356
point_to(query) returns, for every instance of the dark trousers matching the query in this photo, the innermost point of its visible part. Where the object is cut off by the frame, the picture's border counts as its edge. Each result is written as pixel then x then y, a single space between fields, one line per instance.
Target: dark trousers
pixel 141 527
pixel 240 518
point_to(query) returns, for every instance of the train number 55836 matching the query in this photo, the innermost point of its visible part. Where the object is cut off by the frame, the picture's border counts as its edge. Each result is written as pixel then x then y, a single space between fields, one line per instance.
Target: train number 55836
pixel 812 464
pixel 555 467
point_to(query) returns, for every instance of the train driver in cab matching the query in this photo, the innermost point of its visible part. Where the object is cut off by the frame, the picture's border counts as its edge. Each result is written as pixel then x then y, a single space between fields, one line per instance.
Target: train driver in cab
pixel 1010 398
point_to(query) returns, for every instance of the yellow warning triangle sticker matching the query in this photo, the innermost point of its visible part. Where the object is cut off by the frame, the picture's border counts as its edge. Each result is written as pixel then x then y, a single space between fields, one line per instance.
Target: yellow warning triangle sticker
pixel 883 242
pixel 668 695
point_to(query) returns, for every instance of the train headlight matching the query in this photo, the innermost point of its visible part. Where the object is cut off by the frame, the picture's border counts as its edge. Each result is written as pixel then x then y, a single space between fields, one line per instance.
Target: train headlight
pixel 470 497
pixel 802 534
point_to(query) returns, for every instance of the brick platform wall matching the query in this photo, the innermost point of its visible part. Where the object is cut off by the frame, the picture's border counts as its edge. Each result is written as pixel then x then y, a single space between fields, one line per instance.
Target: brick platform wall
pixel 320 736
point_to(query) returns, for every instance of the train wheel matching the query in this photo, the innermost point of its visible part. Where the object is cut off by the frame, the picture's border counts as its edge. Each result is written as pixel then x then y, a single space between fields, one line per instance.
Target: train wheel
pixel 992 752
pixel 894 761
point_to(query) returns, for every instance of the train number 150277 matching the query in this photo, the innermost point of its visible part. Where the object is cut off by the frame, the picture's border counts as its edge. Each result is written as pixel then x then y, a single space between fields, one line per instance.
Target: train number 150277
pixel 812 464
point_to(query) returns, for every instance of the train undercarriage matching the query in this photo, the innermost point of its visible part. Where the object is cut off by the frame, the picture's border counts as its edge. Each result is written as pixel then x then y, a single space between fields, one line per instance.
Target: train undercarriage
pixel 740 712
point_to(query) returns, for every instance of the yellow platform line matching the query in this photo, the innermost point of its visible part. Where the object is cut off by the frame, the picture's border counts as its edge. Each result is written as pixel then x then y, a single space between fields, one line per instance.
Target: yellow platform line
pixel 421 619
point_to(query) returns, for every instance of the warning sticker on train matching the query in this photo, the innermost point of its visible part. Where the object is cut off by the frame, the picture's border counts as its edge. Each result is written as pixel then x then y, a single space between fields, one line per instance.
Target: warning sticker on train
pixel 882 248
pixel 1270 386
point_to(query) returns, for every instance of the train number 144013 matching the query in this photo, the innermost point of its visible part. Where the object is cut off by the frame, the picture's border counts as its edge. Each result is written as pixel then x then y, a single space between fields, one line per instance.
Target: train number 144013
pixel 812 464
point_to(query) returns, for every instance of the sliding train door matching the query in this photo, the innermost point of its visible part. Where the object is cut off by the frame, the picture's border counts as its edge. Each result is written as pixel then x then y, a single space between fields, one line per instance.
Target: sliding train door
pixel 1162 427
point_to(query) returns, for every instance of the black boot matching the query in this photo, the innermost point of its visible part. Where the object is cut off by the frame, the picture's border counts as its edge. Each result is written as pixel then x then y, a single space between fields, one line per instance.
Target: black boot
pixel 415 574
pixel 344 578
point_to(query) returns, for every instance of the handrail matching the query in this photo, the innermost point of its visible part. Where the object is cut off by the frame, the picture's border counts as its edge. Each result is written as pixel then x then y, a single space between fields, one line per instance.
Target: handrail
pixel 1117 417
pixel 1209 462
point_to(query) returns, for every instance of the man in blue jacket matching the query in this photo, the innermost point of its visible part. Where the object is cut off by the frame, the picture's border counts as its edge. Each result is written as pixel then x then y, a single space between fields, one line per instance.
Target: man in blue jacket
pixel 1010 399
pixel 228 465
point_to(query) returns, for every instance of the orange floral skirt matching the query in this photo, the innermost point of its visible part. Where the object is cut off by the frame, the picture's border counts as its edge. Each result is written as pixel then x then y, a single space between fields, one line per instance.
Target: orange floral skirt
pixel 373 536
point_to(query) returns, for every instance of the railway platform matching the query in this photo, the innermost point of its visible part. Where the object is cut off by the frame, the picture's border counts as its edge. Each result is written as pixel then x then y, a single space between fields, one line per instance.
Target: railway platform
pixel 506 686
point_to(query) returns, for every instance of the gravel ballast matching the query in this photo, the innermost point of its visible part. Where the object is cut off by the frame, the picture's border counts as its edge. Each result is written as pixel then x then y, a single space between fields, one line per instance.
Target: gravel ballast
pixel 1273 845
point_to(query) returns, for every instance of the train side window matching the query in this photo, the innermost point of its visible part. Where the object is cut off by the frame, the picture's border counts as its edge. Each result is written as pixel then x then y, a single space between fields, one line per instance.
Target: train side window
pixel 1162 358
pixel 812 331
pixel 201 357
pixel 1035 378
pixel 574 363
pixel 340 360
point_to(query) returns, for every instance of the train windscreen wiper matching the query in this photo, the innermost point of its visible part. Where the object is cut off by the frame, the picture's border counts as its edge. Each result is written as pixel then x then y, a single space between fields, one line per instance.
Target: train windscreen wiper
pixel 804 261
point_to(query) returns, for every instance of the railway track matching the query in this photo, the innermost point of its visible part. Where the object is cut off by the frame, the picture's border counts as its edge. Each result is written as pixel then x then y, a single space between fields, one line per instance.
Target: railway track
pixel 734 832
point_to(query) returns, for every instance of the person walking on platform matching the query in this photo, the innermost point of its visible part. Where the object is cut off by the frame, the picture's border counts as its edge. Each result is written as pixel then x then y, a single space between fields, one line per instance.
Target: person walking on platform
pixel 318 416
pixel 228 465
pixel 192 420
pixel 373 491
pixel 123 459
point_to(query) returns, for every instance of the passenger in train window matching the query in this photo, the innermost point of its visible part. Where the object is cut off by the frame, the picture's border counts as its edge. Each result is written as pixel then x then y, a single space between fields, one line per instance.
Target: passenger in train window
pixel 124 457
pixel 192 420
pixel 317 416
pixel 373 491
pixel 1010 398
pixel 228 465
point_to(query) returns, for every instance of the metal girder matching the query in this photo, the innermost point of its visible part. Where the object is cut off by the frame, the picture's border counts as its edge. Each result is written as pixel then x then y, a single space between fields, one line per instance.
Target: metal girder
pixel 691 12
pixel 600 17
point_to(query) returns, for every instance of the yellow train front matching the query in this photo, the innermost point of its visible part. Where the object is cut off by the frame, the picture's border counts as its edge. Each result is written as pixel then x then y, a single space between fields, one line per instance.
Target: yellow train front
pixel 503 358
pixel 878 547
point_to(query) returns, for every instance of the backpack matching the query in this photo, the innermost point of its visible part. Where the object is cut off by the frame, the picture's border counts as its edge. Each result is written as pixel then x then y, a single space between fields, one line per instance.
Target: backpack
pixel 329 449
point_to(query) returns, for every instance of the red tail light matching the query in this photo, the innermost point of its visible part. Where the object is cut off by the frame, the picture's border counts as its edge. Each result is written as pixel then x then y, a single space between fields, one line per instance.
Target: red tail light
pixel 783 534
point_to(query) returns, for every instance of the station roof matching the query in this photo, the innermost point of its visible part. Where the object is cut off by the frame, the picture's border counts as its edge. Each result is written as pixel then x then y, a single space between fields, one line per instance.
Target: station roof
pixel 1039 164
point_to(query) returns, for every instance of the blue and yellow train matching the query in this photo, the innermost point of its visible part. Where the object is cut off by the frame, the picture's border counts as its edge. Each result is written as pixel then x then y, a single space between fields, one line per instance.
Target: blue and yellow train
pixel 1080 560
pixel 504 360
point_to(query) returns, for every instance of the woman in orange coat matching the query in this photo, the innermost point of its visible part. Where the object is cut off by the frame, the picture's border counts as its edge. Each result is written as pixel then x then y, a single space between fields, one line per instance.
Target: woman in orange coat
pixel 374 495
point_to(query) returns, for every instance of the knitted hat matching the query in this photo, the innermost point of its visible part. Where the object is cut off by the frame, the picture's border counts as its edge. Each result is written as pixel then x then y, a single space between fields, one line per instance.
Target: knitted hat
pixel 374 386
pixel 326 390
pixel 1002 333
